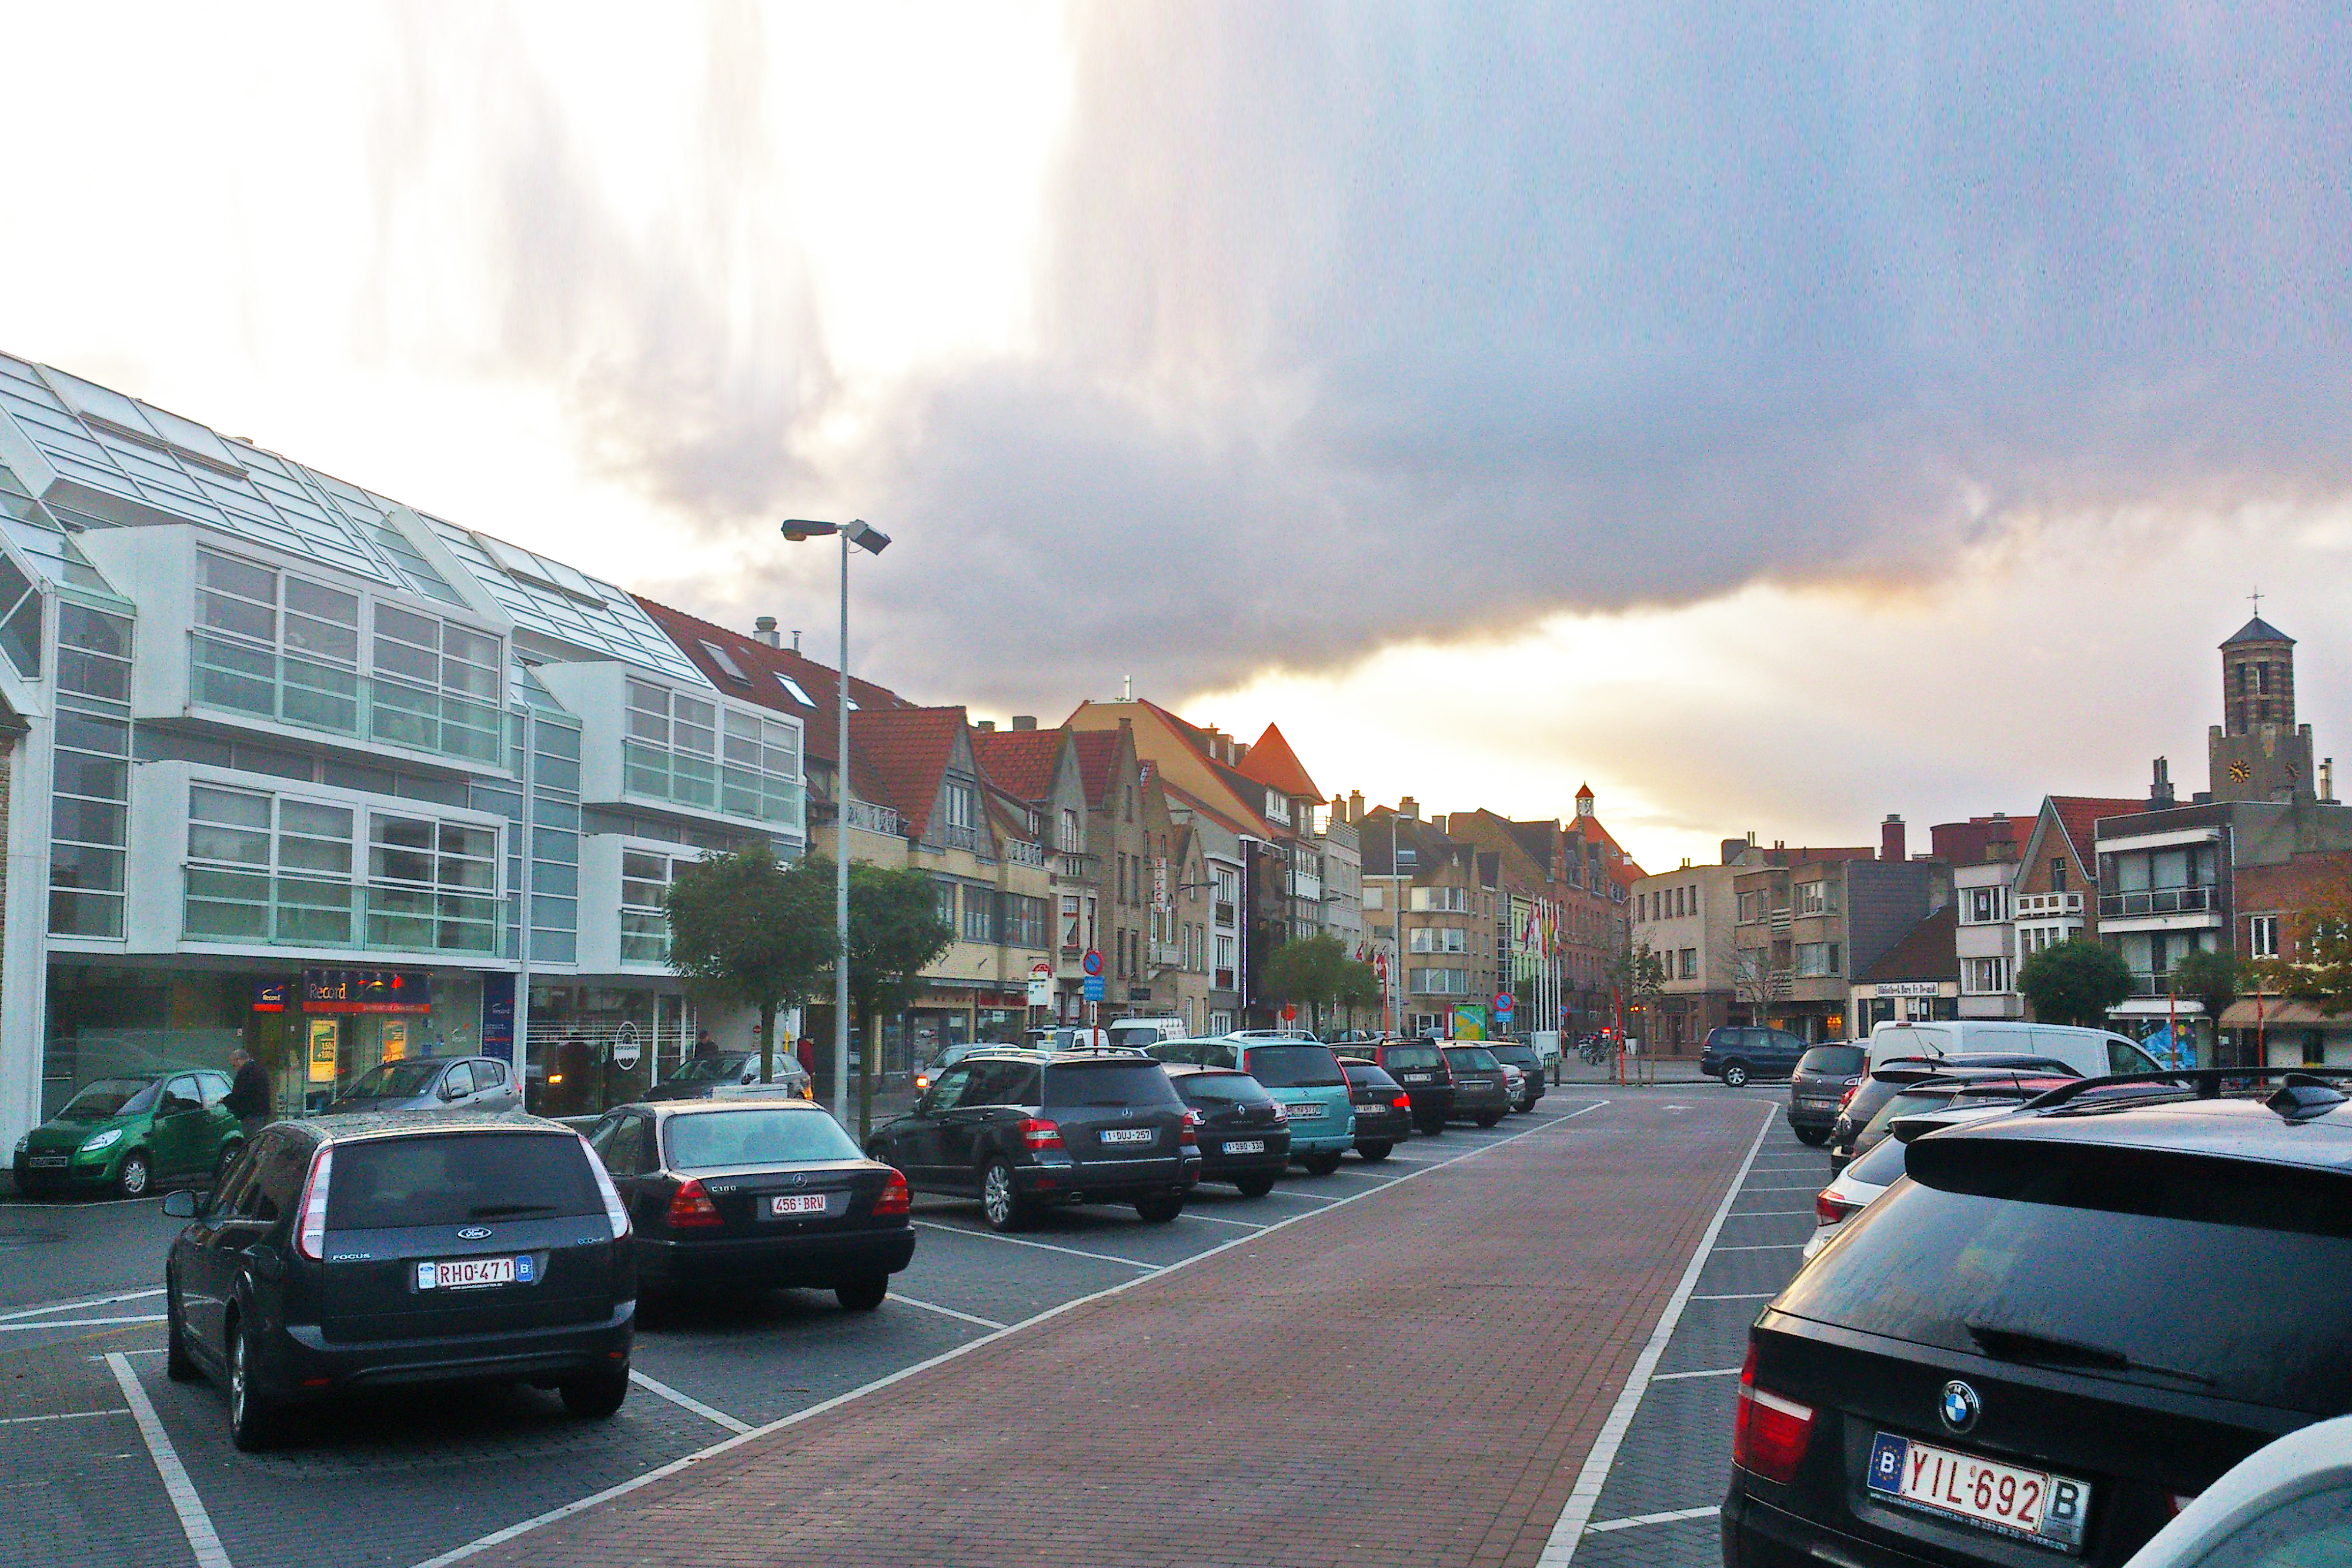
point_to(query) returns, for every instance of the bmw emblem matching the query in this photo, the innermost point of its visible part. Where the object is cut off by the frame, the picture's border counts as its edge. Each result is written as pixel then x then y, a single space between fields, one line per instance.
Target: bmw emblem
pixel 474 1232
pixel 1959 1405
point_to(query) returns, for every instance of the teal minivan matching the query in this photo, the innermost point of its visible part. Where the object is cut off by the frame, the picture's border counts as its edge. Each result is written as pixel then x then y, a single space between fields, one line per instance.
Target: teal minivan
pixel 1307 1081
pixel 125 1135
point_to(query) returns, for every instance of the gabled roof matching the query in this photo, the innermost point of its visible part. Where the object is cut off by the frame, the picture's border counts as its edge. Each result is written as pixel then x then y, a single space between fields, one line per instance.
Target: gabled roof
pixel 1097 748
pixel 2077 817
pixel 908 750
pixel 1272 763
pixel 1187 800
pixel 2258 631
pixel 1926 952
pixel 1622 866
pixel 1019 761
pixel 760 672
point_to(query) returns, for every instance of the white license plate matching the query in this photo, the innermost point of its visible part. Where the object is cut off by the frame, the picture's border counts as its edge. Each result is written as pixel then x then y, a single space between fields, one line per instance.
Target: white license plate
pixel 467 1273
pixel 2033 1505
pixel 1246 1147
pixel 796 1203
pixel 1421 1078
pixel 47 1162
pixel 1307 1111
pixel 1127 1135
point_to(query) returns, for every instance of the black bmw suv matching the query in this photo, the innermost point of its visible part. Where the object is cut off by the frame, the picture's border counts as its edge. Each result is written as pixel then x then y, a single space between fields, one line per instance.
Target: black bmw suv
pixel 344 1253
pixel 2059 1327
pixel 1024 1129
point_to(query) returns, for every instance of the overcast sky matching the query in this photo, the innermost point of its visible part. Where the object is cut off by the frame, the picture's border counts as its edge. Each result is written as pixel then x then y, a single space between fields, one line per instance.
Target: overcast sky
pixel 1777 417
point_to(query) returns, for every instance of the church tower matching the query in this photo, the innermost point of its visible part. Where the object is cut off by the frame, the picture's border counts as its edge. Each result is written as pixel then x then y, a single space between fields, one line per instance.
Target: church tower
pixel 2258 752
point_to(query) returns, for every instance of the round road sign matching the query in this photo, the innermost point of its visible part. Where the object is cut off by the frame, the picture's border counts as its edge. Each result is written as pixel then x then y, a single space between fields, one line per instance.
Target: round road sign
pixel 1092 962
pixel 1503 1003
pixel 1041 970
pixel 626 1050
pixel 1288 1012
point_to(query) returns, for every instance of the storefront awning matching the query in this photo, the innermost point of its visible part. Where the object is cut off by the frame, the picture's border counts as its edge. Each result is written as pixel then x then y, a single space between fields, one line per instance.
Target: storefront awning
pixel 2282 1012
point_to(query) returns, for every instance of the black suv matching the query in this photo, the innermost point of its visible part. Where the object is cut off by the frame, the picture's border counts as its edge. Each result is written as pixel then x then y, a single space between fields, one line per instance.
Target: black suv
pixel 2064 1324
pixel 1019 1129
pixel 1244 1136
pixel 1818 1087
pixel 1736 1055
pixel 351 1252
pixel 1531 1070
pixel 1420 1066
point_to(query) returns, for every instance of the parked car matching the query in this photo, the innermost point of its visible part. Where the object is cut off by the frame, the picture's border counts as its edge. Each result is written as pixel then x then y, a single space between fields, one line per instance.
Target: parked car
pixel 1817 1085
pixel 765 1193
pixel 1021 1129
pixel 1480 1092
pixel 731 1072
pixel 1858 1185
pixel 342 1253
pixel 1293 1033
pixel 1863 1120
pixel 1531 1087
pixel 1736 1055
pixel 128 1135
pixel 2060 1326
pixel 2087 1053
pixel 1219 1051
pixel 1383 1109
pixel 429 1083
pixel 1304 1074
pixel 1421 1067
pixel 1243 1133
pixel 1136 1032
pixel 2288 1505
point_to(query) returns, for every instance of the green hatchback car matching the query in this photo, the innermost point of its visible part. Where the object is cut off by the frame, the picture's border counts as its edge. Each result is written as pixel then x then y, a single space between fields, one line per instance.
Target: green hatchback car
pixel 129 1135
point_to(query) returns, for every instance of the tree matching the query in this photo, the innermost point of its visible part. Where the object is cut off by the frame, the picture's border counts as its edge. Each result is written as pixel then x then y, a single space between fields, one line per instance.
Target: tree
pixel 1638 975
pixel 895 932
pixel 753 932
pixel 1316 972
pixel 2211 978
pixel 2321 969
pixel 1751 982
pixel 2074 982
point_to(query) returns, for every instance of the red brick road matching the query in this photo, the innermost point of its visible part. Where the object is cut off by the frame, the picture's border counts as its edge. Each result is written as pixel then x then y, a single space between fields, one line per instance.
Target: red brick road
pixel 1410 1379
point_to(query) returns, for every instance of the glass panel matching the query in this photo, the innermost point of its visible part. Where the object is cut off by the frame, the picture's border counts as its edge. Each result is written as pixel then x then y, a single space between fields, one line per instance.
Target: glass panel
pixel 241 577
pixel 20 636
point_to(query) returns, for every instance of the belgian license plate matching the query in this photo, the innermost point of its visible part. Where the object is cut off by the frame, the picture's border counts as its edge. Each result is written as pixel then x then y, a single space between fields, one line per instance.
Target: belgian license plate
pixel 2031 1505
pixel 1127 1135
pixel 47 1162
pixel 1419 1078
pixel 1308 1111
pixel 1245 1146
pixel 796 1203
pixel 469 1274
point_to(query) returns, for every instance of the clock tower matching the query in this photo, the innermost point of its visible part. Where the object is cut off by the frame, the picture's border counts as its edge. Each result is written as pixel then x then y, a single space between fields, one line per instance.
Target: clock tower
pixel 2258 753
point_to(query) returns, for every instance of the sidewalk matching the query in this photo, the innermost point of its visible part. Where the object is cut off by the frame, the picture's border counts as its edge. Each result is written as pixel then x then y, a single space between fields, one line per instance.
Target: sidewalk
pixel 1663 1070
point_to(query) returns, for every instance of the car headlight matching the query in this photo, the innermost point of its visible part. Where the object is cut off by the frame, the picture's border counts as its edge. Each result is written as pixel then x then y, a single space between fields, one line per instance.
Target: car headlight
pixel 23 1143
pixel 97 1141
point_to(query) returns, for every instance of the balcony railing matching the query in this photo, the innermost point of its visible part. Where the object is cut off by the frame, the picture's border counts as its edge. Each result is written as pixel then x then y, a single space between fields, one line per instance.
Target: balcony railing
pixel 2156 901
pixel 2048 905
pixel 681 777
pixel 874 818
pixel 2151 984
pixel 256 908
pixel 1166 954
pixel 956 837
pixel 1020 852
pixel 301 693
pixel 1073 865
pixel 1781 920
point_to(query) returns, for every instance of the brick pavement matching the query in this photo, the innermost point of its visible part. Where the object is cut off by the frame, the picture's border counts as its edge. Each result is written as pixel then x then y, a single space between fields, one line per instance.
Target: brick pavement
pixel 1412 1379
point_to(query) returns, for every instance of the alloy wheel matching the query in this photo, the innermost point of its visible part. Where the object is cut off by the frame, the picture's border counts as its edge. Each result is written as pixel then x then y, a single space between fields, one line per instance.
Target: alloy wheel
pixel 134 1178
pixel 236 1379
pixel 996 1195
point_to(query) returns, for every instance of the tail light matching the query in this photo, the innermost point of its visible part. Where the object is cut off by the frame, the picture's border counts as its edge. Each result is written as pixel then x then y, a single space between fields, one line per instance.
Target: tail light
pixel 1827 1210
pixel 1192 1119
pixel 1401 1103
pixel 1768 1434
pixel 616 1213
pixel 1039 1134
pixel 312 1240
pixel 1846 1099
pixel 894 1198
pixel 1280 1113
pixel 690 1207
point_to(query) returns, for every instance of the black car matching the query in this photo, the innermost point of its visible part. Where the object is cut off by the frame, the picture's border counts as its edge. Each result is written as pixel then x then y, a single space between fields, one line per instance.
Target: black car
pixel 1531 1070
pixel 342 1253
pixel 1736 1055
pixel 1481 1087
pixel 1421 1067
pixel 1818 1086
pixel 2061 1326
pixel 1243 1133
pixel 1021 1129
pixel 770 1194
pixel 1383 1109
pixel 1893 1076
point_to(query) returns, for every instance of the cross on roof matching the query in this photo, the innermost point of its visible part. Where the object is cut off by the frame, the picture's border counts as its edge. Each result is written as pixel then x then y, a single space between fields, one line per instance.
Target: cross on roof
pixel 2257 597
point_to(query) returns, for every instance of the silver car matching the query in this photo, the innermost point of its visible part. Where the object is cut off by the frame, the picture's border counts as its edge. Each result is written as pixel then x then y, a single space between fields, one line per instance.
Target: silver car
pixel 432 1083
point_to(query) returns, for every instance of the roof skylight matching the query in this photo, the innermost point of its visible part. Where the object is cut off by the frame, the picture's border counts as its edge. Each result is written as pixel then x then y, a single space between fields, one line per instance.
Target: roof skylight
pixel 721 657
pixel 792 687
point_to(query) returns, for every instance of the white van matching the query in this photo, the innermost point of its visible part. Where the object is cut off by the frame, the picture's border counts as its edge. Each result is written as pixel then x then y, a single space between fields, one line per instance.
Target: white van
pixel 1138 1034
pixel 2093 1052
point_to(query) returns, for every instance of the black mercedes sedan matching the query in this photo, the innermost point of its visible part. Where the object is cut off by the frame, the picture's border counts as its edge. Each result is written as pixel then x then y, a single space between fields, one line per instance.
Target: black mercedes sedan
pixel 1244 1133
pixel 1383 1109
pixel 768 1194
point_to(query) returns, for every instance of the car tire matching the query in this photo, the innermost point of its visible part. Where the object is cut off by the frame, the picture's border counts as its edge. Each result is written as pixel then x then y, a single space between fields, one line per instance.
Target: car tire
pixel 1735 1074
pixel 1813 1136
pixel 1001 1204
pixel 1255 1187
pixel 178 1365
pixel 1159 1210
pixel 256 1422
pixel 133 1176
pixel 1490 1118
pixel 1375 1152
pixel 596 1395
pixel 862 1293
pixel 1320 1164
pixel 1430 1127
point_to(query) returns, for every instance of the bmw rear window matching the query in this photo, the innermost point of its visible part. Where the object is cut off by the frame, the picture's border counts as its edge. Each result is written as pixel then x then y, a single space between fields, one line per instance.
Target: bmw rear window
pixel 1295 1067
pixel 449 1178
pixel 1070 1084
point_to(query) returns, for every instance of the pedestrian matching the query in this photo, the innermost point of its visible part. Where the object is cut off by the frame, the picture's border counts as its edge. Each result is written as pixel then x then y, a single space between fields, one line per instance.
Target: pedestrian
pixel 807 1053
pixel 706 1047
pixel 248 1091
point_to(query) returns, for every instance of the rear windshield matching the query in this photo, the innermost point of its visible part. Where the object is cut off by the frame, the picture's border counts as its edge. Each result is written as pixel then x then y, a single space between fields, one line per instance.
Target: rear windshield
pixel 1832 1060
pixel 1910 1102
pixel 1074 1084
pixel 1477 1058
pixel 1364 1076
pixel 1415 1058
pixel 448 1178
pixel 710 1140
pixel 392 1080
pixel 2109 1273
pixel 1221 1089
pixel 1295 1067
pixel 1882 1164
pixel 1875 1091
pixel 1516 1055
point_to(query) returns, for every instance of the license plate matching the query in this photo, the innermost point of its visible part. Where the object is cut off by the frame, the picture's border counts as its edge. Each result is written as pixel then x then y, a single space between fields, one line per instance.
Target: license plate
pixel 1127 1135
pixel 1246 1147
pixel 1421 1078
pixel 1307 1112
pixel 468 1273
pixel 47 1162
pixel 2030 1505
pixel 796 1203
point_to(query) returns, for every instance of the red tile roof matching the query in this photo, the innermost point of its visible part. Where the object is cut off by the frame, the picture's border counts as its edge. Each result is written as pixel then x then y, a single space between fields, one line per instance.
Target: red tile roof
pixel 1273 764
pixel 761 665
pixel 2077 814
pixel 1018 761
pixel 907 748
pixel 1097 750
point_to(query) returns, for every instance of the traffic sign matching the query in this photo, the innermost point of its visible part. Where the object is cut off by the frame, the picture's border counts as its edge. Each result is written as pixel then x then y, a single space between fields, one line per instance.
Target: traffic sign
pixel 1093 984
pixel 1503 1004
pixel 1288 1012
pixel 1092 964
pixel 1041 970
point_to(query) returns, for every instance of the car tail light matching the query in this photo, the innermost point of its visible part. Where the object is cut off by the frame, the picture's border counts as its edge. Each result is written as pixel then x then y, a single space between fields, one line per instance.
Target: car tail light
pixel 1039 1134
pixel 1280 1113
pixel 894 1198
pixel 1768 1434
pixel 1846 1099
pixel 312 1240
pixel 616 1213
pixel 1192 1119
pixel 1827 1210
pixel 690 1207
pixel 1401 1103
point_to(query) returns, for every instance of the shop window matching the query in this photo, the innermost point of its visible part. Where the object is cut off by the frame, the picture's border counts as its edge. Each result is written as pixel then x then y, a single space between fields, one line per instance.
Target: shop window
pixel 645 919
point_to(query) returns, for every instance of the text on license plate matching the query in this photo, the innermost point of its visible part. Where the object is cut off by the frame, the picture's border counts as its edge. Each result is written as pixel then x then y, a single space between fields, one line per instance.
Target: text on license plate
pixel 464 1273
pixel 1245 1146
pixel 1305 1108
pixel 1420 1077
pixel 1127 1135
pixel 2006 1498
pixel 796 1203
pixel 45 1161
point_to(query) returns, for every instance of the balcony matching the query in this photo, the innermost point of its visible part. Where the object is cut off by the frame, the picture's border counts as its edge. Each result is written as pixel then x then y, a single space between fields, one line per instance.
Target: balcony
pixel 256 908
pixel 2156 901
pixel 1782 920
pixel 233 676
pixel 1165 955
pixel 1074 866
pixel 1020 852
pixel 870 817
pixel 1305 885
pixel 2048 905
pixel 2160 986
pixel 968 838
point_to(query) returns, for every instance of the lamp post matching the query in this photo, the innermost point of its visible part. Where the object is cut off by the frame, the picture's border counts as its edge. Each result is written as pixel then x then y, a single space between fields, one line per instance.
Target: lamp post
pixel 873 542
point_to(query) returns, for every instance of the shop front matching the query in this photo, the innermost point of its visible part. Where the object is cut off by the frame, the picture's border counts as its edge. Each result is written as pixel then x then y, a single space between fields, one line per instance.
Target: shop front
pixel 597 1043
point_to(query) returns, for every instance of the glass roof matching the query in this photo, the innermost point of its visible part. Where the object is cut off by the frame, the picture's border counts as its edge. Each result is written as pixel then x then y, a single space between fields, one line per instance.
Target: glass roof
pixel 595 618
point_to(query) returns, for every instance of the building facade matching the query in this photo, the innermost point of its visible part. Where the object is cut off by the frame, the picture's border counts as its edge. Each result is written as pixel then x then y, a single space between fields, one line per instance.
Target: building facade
pixel 1684 917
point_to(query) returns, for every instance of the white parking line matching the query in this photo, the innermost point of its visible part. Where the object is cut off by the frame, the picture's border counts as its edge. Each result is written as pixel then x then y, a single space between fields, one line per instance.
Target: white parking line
pixel 63 1415
pixel 75 1306
pixel 1807 1186
pixel 905 1299
pixel 1219 1220
pixel 662 1472
pixel 194 1523
pixel 1559 1547
pixel 1745 1296
pixel 1634 1521
pixel 1041 1246
pixel 1785 1247
pixel 1678 1377
pixel 79 1322
pixel 687 1402
pixel 1765 1213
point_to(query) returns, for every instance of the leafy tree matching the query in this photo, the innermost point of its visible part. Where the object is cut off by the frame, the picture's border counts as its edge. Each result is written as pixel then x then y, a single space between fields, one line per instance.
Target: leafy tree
pixel 2321 969
pixel 895 934
pixel 2212 978
pixel 1360 986
pixel 753 932
pixel 2074 982
pixel 1316 972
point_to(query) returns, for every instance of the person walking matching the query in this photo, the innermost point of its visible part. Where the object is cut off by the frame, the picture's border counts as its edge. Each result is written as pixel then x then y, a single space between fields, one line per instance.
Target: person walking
pixel 706 1046
pixel 248 1093
pixel 807 1053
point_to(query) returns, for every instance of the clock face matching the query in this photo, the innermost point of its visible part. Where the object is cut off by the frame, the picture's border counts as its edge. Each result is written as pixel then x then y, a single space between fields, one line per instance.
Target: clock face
pixel 2238 772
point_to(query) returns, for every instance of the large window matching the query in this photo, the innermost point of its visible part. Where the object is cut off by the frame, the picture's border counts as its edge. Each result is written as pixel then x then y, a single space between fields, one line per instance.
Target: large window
pixel 673 752
pixel 1441 982
pixel 1027 921
pixel 1430 939
pixel 1984 976
pixel 1984 906
pixel 1816 958
pixel 760 773
pixel 958 822
pixel 980 915
pixel 432 885
pixel 92 787
pixel 436 685
pixel 645 916
pixel 1816 898
pixel 2263 936
pixel 20 619
pixel 555 840
pixel 1441 899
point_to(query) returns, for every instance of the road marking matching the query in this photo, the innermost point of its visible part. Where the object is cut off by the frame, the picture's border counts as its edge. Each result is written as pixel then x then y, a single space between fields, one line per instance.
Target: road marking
pixel 1041 1246
pixel 1746 1296
pixel 1559 1547
pixel 1711 1371
pixel 1765 1213
pixel 1219 1219
pixel 637 1482
pixel 687 1402
pixel 1635 1521
pixel 904 1299
pixel 74 1306
pixel 65 1415
pixel 79 1322
pixel 1807 1188
pixel 1316 1197
pixel 194 1523
pixel 1784 1247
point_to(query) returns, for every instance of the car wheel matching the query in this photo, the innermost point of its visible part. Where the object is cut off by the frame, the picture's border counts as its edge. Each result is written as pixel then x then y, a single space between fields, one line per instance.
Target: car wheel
pixel 254 1418
pixel 1490 1118
pixel 1320 1164
pixel 130 1177
pixel 1374 1152
pixel 1735 1074
pixel 863 1293
pixel 1815 1136
pixel 1159 1210
pixel 596 1395
pixel 1255 1186
pixel 178 1365
pixel 999 1201
pixel 1430 1127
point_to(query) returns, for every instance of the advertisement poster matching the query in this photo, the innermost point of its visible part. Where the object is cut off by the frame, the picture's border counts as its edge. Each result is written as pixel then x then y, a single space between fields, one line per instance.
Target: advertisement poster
pixel 498 1016
pixel 396 1039
pixel 325 1033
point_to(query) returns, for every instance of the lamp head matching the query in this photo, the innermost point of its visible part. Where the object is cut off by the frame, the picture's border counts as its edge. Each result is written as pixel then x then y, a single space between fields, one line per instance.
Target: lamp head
pixel 801 529
pixel 867 537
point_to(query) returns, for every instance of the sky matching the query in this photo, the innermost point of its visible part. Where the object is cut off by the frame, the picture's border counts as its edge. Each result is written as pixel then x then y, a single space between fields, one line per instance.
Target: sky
pixel 1775 417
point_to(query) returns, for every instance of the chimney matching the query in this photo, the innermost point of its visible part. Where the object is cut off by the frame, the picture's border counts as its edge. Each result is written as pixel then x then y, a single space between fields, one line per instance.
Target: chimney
pixel 797 639
pixel 2159 788
pixel 1409 808
pixel 986 726
pixel 1891 845
pixel 764 629
pixel 1339 808
pixel 1437 821
pixel 1126 724
pixel 1024 721
pixel 2327 780
pixel 1355 803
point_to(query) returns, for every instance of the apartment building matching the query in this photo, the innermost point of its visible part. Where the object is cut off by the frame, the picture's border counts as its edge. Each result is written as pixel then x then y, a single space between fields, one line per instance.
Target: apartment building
pixel 1040 768
pixel 1805 925
pixel 1437 897
pixel 1917 978
pixel 1983 854
pixel 1684 916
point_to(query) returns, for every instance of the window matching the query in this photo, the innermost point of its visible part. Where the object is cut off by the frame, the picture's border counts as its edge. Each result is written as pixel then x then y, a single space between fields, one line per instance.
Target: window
pixel 645 878
pixel 943 903
pixel 760 768
pixel 431 884
pixel 437 685
pixel 1751 908
pixel 725 660
pixel 268 868
pixel 1985 907
pixel 1027 921
pixel 1072 839
pixel 1816 898
pixel 1985 976
pixel 1816 958
pixel 2057 873
pixel 1441 982
pixel 2261 935
pixel 20 619
pixel 959 814
pixel 792 690
pixel 1690 964
pixel 1375 898
pixel 979 915
pixel 1441 899
pixel 1432 939
pixel 671 750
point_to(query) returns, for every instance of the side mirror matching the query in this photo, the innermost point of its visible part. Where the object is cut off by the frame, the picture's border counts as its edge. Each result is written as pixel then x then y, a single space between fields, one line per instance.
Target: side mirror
pixel 180 1204
pixel 451 1091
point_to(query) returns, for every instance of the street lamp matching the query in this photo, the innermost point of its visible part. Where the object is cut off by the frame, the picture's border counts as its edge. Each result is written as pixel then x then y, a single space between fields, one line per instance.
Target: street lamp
pixel 873 542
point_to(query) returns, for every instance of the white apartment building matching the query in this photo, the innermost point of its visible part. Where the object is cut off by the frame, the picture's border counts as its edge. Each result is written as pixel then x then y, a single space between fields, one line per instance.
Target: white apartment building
pixel 1986 940
pixel 1685 917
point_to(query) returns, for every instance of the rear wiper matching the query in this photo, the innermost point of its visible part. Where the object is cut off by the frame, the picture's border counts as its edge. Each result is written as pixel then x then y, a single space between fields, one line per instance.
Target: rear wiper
pixel 506 1211
pixel 2012 1345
